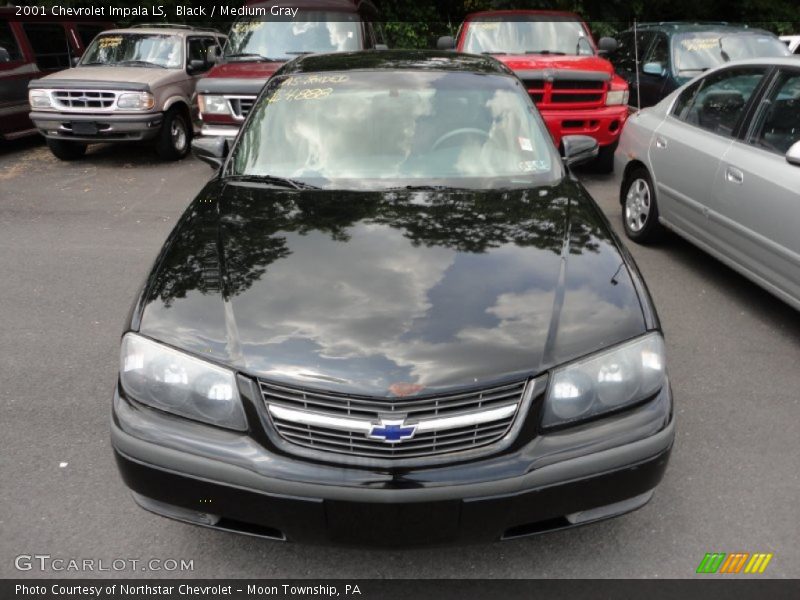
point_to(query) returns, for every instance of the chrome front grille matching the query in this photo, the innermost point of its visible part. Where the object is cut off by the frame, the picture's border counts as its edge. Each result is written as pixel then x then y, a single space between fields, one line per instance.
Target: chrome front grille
pixel 241 105
pixel 440 424
pixel 84 99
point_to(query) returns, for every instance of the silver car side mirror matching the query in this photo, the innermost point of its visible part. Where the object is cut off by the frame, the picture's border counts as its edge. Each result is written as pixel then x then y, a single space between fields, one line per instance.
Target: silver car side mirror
pixel 793 154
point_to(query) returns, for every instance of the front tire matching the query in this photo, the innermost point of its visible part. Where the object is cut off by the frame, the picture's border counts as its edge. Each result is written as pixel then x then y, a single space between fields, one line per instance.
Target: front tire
pixel 66 150
pixel 639 207
pixel 604 163
pixel 175 137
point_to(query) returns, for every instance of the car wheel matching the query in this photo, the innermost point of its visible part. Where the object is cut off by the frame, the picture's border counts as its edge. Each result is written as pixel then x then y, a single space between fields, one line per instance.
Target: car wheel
pixel 639 208
pixel 65 150
pixel 175 136
pixel 604 163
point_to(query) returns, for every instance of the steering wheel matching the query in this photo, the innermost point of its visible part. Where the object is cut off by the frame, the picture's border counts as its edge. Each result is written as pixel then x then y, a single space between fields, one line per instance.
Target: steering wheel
pixel 457 132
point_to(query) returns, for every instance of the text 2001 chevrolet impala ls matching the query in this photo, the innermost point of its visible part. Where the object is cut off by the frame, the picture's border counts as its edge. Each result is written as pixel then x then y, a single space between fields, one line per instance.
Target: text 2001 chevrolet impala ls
pixel 393 317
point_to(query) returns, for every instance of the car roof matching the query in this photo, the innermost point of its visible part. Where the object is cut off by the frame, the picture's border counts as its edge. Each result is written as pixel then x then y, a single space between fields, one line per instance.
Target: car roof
pixel 684 27
pixel 522 12
pixel 341 5
pixel 165 31
pixel 388 60
pixel 777 61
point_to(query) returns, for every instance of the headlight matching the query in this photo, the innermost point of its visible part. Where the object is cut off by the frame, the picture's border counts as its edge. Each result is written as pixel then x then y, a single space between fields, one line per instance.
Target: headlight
pixel 179 383
pixel 136 101
pixel 213 105
pixel 616 97
pixel 39 99
pixel 606 382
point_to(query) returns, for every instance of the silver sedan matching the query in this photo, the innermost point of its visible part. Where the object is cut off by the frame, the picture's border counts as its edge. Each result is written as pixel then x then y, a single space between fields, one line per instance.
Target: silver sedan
pixel 718 162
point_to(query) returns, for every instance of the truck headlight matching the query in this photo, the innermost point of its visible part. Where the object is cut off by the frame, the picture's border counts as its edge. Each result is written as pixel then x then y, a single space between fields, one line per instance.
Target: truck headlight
pixel 213 105
pixel 606 381
pixel 40 99
pixel 181 384
pixel 136 101
pixel 615 97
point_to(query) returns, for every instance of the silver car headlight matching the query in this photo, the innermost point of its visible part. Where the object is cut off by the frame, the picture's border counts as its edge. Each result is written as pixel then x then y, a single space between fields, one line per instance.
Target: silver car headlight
pixel 136 101
pixel 606 381
pixel 213 105
pixel 181 384
pixel 40 99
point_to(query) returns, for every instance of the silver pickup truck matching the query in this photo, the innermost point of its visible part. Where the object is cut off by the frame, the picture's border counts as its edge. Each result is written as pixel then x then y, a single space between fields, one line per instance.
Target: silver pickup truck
pixel 130 85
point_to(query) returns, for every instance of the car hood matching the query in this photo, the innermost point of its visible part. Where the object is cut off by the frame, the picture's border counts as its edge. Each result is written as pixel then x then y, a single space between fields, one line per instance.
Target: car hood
pixel 245 70
pixel 535 62
pixel 145 75
pixel 357 291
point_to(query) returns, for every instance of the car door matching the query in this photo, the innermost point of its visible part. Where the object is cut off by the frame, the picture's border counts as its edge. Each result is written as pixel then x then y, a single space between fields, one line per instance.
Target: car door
pixel 687 146
pixel 629 52
pixel 756 199
pixel 653 83
pixel 15 73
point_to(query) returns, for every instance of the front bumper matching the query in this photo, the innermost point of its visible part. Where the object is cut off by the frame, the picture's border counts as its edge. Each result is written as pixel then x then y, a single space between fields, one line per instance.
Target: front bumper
pixel 235 481
pixel 109 127
pixel 227 131
pixel 603 124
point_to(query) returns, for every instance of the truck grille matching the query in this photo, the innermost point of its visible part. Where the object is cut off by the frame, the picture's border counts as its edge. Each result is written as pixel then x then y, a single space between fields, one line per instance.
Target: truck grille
pixel 241 105
pixel 555 94
pixel 88 99
pixel 344 424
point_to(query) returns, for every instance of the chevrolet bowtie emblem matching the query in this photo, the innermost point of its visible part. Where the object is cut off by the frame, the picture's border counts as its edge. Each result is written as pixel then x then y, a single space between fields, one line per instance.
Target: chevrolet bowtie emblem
pixel 392 431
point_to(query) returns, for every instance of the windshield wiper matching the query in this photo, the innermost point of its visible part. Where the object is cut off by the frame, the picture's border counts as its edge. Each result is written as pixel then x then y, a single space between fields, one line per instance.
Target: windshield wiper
pixel 422 188
pixel 555 52
pixel 140 62
pixel 259 57
pixel 272 180
pixel 490 52
pixel 94 64
pixel 300 53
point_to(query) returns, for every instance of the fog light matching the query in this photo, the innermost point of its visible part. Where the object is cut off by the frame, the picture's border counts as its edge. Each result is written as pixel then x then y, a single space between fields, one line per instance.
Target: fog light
pixel 610 510
pixel 175 512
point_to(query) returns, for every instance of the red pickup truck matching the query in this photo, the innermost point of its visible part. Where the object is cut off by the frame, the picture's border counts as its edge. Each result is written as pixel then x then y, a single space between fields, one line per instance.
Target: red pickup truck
pixel 260 45
pixel 555 56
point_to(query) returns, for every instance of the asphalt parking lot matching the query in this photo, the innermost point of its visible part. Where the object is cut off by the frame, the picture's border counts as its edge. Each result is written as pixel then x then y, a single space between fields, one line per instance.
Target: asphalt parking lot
pixel 76 241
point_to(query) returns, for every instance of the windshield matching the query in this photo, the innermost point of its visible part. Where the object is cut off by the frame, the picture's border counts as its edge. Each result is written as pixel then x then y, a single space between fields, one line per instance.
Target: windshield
pixel 527 37
pixel 135 50
pixel 378 130
pixel 283 40
pixel 699 52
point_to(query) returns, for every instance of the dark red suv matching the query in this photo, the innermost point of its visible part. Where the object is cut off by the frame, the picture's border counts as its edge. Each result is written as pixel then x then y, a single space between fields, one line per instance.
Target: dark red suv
pixel 31 48
pixel 259 46
pixel 554 54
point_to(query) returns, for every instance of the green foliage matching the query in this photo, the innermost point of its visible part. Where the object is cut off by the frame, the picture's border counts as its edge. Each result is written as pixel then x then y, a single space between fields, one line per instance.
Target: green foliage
pixel 417 23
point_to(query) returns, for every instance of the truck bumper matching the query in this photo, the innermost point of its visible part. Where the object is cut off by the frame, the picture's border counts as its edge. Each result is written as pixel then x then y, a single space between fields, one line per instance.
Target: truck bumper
pixel 96 128
pixel 603 124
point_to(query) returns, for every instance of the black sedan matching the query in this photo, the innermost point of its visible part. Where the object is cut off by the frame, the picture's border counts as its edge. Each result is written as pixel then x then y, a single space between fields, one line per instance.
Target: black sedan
pixel 392 317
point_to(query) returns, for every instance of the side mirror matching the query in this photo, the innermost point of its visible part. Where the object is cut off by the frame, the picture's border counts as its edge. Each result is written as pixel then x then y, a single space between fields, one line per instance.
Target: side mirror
pixel 446 42
pixel 197 66
pixel 74 61
pixel 213 55
pixel 211 150
pixel 793 154
pixel 579 149
pixel 606 45
pixel 653 68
